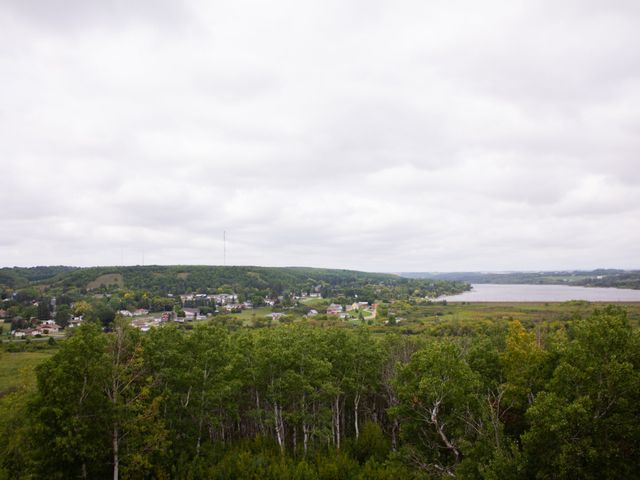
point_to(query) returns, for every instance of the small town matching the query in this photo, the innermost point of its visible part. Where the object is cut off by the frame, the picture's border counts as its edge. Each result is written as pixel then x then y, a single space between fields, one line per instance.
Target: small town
pixel 202 306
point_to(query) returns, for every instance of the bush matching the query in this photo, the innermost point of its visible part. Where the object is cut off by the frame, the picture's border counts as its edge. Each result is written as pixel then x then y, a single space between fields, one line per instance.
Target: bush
pixel 371 444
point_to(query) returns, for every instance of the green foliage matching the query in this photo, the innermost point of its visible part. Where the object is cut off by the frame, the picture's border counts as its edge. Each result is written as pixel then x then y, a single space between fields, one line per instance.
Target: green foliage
pixel 439 397
pixel 587 425
pixel 63 313
pixel 70 410
pixel 371 444
pixel 493 401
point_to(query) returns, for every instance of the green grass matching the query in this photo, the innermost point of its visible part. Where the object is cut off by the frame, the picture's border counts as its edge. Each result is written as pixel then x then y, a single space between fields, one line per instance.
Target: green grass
pixel 260 312
pixel 17 369
pixel 106 280
pixel 522 311
pixel 315 302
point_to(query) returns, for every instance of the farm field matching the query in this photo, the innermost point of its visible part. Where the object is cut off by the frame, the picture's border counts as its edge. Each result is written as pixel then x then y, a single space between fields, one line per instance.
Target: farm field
pixel 17 368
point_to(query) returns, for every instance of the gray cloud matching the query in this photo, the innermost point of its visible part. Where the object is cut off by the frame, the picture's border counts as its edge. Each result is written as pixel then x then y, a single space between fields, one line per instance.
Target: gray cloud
pixel 369 135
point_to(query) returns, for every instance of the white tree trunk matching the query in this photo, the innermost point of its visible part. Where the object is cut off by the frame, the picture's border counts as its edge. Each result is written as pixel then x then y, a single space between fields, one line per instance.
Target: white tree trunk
pixel 336 420
pixel 305 437
pixel 116 458
pixel 356 404
pixel 277 410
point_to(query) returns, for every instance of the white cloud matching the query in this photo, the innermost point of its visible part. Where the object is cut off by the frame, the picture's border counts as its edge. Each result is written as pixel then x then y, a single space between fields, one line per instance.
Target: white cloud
pixel 370 135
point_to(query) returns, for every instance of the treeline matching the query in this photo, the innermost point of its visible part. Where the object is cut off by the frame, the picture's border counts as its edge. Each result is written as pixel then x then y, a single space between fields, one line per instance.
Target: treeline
pixel 617 280
pixel 593 278
pixel 301 402
pixel 19 277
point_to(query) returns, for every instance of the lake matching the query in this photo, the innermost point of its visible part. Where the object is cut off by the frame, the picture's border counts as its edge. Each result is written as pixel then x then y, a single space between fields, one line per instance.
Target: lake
pixel 488 292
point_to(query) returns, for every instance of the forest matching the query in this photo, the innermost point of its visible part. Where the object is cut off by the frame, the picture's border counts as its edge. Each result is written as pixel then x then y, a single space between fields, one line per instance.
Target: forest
pixel 176 279
pixel 498 400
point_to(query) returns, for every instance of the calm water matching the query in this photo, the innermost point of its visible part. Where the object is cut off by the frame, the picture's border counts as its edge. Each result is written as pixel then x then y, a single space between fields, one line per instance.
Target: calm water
pixel 487 292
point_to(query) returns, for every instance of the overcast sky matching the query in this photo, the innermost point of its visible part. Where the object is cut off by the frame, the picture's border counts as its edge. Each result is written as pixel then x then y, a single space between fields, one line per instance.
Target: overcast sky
pixel 376 135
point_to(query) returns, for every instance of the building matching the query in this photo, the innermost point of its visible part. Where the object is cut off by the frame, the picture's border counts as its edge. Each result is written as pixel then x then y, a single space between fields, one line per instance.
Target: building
pixel 190 313
pixel 334 309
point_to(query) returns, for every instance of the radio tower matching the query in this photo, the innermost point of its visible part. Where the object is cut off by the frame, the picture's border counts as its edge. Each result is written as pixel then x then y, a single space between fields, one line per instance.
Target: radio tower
pixel 224 247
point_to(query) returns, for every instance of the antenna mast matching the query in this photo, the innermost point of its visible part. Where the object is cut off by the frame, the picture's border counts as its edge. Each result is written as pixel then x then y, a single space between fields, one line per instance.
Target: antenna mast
pixel 224 247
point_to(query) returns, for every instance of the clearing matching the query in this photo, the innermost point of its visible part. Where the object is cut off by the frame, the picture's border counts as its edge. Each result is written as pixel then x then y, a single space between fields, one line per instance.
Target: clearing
pixel 106 280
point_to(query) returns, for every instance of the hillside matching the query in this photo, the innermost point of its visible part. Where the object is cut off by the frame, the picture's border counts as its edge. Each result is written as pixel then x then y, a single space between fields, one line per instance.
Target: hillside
pixel 18 277
pixel 199 278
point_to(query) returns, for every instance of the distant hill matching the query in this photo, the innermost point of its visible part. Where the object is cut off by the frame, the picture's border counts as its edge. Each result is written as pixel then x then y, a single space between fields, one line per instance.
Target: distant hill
pixel 200 278
pixel 18 277
pixel 592 278
pixel 183 278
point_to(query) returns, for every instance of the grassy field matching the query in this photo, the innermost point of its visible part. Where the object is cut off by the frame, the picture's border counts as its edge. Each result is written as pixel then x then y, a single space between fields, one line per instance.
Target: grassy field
pixel 260 312
pixel 17 369
pixel 106 280
pixel 314 302
pixel 527 313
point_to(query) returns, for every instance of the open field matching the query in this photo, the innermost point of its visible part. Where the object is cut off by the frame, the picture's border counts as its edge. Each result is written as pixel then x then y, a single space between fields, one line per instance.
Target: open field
pixel 260 312
pixel 106 280
pixel 315 302
pixel 18 368
pixel 524 312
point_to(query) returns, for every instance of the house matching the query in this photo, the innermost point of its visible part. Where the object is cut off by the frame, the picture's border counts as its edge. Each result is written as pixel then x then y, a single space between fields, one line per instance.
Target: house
pixel 312 313
pixel 186 298
pixel 3 313
pixel 233 307
pixel 358 306
pixel 166 316
pixel 125 313
pixel 75 321
pixel 190 313
pixel 334 309
pixel 223 298
pixel 275 315
pixel 144 325
pixel 47 328
pixel 140 311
